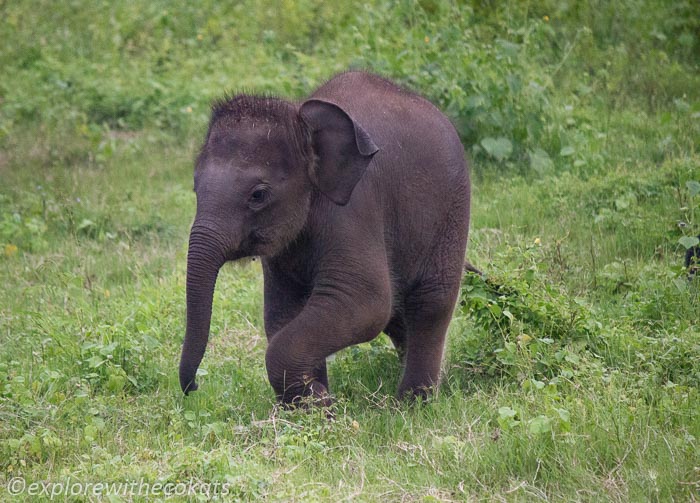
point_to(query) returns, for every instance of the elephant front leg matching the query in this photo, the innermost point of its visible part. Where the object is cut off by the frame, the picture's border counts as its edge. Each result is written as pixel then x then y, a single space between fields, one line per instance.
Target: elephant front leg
pixel 296 355
pixel 294 377
pixel 284 300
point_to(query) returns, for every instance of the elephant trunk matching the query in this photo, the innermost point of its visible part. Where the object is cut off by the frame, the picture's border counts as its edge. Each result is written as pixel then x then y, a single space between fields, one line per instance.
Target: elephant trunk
pixel 205 257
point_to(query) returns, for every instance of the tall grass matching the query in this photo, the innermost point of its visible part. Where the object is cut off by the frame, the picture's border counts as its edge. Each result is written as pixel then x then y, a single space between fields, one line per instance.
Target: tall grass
pixel 572 366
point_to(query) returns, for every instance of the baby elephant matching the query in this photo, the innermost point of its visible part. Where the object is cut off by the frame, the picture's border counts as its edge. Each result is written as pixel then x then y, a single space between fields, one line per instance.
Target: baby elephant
pixel 357 202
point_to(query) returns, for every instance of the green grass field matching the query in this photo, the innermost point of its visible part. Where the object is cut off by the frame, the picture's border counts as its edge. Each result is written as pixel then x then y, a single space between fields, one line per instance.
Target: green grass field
pixel 573 368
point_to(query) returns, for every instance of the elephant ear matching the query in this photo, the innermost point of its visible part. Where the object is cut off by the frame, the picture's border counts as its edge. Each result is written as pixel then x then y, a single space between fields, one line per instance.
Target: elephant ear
pixel 343 148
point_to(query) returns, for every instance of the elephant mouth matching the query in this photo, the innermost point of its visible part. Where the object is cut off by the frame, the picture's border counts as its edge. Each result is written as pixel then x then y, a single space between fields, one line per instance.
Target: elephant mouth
pixel 262 246
pixel 237 255
pixel 255 245
pixel 258 238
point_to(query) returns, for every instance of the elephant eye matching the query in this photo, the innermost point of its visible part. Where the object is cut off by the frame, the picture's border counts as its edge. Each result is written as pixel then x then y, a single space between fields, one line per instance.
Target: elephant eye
pixel 258 196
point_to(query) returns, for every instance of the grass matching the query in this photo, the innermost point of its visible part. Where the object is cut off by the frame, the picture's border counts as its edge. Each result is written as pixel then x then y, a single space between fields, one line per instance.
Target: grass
pixel 572 368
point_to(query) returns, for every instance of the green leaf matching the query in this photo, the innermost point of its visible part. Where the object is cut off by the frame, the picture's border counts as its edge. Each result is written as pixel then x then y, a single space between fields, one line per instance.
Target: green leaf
pixel 693 187
pixel 498 148
pixel 572 358
pixel 540 424
pixel 98 423
pixel 540 161
pixel 567 151
pixel 115 383
pixel 151 343
pixel 689 241
pixel 508 48
pixel 506 413
pixel 622 203
pixel 564 419
pixel 109 348
pixel 85 224
pixel 507 418
pixel 95 361
pixel 54 374
pixel 496 310
pixel 564 415
pixel 89 433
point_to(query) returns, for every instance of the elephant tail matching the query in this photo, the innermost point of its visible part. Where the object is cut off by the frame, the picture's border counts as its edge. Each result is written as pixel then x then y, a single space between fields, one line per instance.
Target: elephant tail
pixel 692 261
pixel 468 267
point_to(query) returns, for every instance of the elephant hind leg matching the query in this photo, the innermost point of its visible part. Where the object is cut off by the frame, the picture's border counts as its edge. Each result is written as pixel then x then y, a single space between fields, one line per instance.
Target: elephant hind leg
pixel 428 314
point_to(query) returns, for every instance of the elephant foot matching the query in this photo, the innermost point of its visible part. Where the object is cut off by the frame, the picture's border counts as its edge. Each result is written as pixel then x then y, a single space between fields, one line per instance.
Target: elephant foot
pixel 416 394
pixel 311 393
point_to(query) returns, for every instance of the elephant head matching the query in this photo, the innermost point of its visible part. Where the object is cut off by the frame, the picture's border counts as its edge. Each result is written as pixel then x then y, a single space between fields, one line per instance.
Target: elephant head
pixel 262 163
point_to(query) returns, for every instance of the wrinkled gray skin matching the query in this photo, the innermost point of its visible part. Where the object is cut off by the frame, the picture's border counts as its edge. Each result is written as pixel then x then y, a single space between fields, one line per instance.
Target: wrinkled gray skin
pixel 357 201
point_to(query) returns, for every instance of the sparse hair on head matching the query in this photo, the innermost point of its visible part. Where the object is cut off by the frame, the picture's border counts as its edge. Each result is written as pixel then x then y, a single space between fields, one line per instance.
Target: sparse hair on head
pixel 245 106
pixel 232 110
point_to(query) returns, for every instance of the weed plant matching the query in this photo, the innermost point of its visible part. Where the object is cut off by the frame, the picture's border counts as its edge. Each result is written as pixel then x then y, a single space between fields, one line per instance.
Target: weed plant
pixel 572 369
